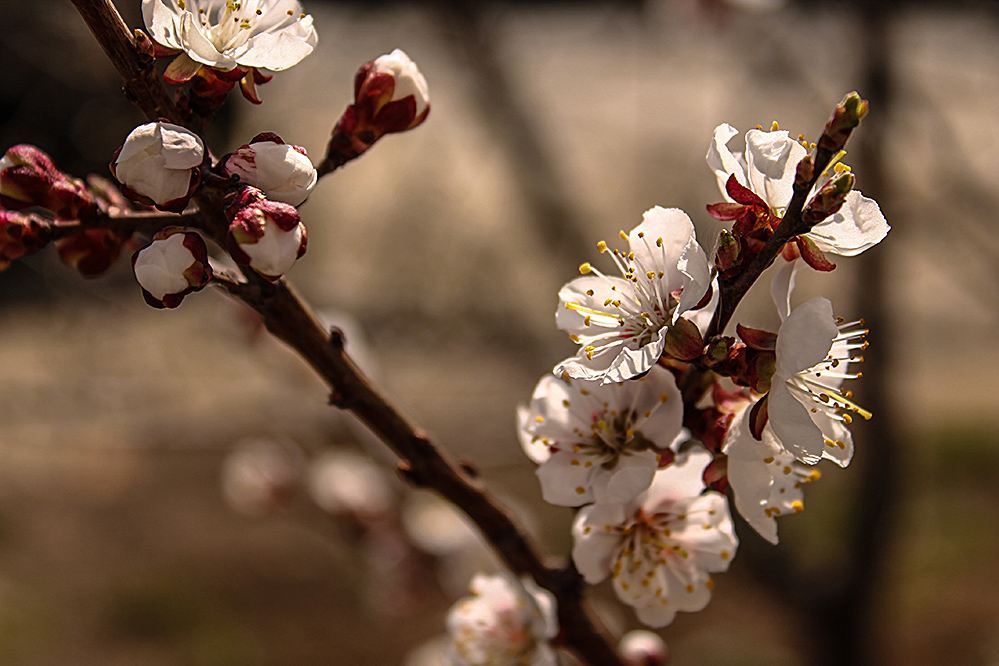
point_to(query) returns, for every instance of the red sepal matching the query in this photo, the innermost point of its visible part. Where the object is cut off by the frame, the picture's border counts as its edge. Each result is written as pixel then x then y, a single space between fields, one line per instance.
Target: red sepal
pixel 758 417
pixel 812 255
pixel 757 338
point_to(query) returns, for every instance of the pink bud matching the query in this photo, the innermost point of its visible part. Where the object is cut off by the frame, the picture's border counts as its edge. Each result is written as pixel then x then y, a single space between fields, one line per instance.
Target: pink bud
pixel 173 265
pixel 283 172
pixel 407 81
pixel 91 251
pixel 29 178
pixel 390 95
pixel 266 235
pixel 158 163
pixel 20 235
pixel 643 648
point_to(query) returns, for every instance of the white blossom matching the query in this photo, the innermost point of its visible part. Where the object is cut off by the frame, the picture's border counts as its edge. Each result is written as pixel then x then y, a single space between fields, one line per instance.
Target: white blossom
pixel 282 171
pixel 808 413
pixel 621 323
pixel 660 548
pixel 767 167
pixel 156 162
pixel 505 622
pixel 225 34
pixel 342 482
pixel 600 442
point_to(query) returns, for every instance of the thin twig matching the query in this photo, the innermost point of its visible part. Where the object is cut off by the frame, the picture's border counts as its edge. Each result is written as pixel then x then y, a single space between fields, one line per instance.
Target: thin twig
pixel 144 222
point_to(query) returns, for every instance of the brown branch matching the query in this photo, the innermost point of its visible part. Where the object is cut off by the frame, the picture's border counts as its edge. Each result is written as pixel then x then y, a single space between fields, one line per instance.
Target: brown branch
pixel 289 319
pixel 144 222
pixel 142 84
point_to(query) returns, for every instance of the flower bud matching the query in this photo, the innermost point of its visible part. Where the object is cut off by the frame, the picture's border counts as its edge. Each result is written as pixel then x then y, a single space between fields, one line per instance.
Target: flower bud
pixel 20 235
pixel 643 648
pixel 390 95
pixel 29 178
pixel 157 165
pixel 92 251
pixel 393 78
pixel 845 119
pixel 283 172
pixel 173 265
pixel 829 199
pixel 268 236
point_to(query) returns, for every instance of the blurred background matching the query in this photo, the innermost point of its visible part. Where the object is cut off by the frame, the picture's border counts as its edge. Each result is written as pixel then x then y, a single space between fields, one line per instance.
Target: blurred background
pixel 175 490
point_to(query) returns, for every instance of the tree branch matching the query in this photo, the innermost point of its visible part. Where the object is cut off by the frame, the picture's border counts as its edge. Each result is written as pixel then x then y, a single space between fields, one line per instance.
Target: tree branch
pixel 289 319
pixel 144 222
pixel 142 84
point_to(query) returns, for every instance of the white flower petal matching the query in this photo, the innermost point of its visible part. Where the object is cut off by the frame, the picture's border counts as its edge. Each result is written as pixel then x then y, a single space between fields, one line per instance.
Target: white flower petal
pixel 566 479
pixel 628 479
pixel 595 541
pixel 859 225
pixel 723 161
pixel 772 160
pixel 274 51
pixel 782 286
pixel 805 337
pixel 793 425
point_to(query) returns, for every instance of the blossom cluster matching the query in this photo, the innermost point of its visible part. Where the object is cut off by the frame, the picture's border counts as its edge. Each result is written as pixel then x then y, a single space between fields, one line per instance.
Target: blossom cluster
pixel 659 413
pixel 166 166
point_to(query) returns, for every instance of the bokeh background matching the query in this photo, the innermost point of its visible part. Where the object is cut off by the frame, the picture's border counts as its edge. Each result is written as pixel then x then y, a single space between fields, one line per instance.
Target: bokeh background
pixel 155 503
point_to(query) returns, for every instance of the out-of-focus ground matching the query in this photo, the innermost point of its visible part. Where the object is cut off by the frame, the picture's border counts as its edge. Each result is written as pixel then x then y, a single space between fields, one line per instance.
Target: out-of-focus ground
pixel 116 543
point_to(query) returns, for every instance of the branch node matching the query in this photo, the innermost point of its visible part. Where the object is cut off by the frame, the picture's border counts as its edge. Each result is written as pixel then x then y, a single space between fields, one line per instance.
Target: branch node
pixel 336 338
pixel 468 467
pixel 338 399
pixel 408 474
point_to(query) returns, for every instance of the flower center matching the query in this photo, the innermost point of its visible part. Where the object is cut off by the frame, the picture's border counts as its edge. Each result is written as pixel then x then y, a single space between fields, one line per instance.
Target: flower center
pixel 640 311
pixel 229 24
pixel 821 383
pixel 613 438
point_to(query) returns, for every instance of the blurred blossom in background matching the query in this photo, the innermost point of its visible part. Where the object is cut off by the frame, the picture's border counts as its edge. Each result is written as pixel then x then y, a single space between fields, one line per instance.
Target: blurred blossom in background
pixel 175 488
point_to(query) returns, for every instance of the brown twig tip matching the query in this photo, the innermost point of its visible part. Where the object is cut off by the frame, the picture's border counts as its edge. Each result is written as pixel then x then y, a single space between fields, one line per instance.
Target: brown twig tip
pixel 337 339
pixel 469 467
pixel 337 399
pixel 408 474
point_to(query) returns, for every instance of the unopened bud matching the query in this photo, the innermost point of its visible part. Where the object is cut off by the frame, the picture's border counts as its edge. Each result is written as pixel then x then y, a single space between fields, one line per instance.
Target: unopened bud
pixel 282 171
pixel 29 178
pixel 268 236
pixel 20 235
pixel 829 199
pixel 157 165
pixel 173 265
pixel 804 173
pixel 91 251
pixel 390 95
pixel 643 648
pixel 845 119
pixel 728 251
